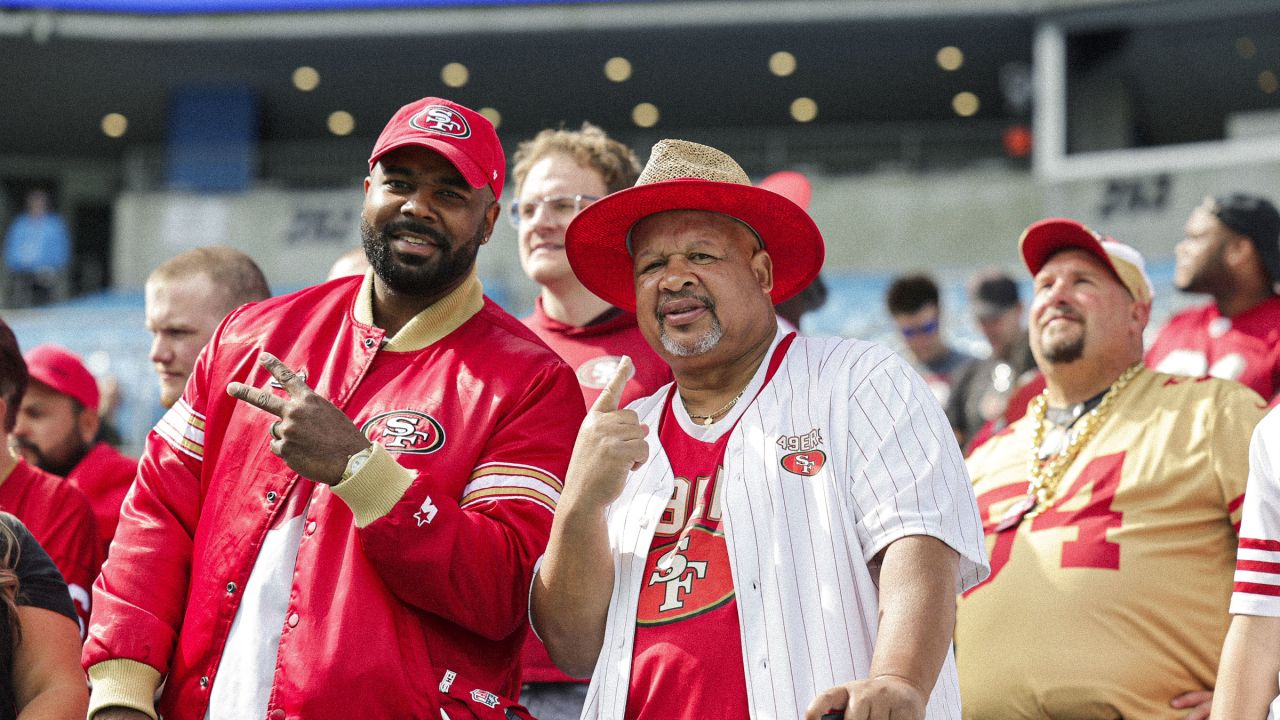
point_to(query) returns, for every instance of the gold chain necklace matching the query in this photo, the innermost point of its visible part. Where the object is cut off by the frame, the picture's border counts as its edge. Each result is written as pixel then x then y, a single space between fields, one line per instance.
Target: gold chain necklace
pixel 708 419
pixel 1045 476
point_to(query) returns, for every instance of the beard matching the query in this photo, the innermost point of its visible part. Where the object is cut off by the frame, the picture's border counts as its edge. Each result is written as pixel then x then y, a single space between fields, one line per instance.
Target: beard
pixel 1064 351
pixel 415 275
pixel 1059 348
pixel 701 344
pixel 72 451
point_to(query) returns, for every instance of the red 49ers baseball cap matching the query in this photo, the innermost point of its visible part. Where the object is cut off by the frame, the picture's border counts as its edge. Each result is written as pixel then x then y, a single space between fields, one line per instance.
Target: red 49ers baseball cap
pixel 62 370
pixel 1044 238
pixel 465 137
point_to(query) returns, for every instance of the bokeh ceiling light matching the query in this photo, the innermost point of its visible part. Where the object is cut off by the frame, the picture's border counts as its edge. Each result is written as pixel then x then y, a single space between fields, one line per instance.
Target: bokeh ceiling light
pixel 950 58
pixel 1245 47
pixel 492 115
pixel 455 75
pixel 1268 82
pixel 617 69
pixel 782 63
pixel 114 125
pixel 645 115
pixel 965 104
pixel 804 109
pixel 306 78
pixel 341 123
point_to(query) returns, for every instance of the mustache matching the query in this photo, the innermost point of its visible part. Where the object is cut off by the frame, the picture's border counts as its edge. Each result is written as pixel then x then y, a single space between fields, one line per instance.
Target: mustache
pixel 410 226
pixel 667 296
pixel 1062 311
pixel 21 444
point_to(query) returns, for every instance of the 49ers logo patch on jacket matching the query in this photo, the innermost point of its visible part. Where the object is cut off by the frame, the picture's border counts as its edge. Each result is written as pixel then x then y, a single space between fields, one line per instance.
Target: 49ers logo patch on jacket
pixel 405 431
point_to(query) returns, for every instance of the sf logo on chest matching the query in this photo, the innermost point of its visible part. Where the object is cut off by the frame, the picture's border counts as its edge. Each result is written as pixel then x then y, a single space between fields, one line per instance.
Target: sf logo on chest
pixel 687 572
pixel 405 431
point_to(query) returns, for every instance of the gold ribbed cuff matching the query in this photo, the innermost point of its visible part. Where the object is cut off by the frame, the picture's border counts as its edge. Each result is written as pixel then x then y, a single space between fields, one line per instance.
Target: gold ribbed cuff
pixel 376 487
pixel 123 683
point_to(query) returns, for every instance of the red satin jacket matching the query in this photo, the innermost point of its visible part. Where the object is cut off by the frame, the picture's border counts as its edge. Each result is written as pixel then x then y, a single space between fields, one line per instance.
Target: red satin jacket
pixel 482 412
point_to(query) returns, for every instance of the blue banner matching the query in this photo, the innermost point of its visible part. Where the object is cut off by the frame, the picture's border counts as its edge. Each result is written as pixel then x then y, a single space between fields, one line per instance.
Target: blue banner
pixel 179 7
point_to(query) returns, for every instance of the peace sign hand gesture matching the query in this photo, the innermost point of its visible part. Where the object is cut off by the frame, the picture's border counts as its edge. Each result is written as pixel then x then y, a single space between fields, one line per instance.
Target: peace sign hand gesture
pixel 312 435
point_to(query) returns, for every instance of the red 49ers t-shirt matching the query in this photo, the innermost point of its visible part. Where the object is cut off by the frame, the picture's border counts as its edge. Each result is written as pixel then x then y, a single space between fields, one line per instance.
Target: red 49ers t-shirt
pixel 687 661
pixel 688 649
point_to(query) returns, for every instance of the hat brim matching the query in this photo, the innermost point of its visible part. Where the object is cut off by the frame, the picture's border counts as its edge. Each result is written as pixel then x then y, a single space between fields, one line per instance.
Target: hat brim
pixel 1043 239
pixel 471 172
pixel 596 240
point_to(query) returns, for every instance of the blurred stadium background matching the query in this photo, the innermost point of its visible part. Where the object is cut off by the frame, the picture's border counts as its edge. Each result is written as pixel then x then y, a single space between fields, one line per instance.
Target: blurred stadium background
pixel 933 131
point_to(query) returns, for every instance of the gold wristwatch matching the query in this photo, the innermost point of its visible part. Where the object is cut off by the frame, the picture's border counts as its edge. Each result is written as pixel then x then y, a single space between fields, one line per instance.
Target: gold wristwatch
pixel 355 462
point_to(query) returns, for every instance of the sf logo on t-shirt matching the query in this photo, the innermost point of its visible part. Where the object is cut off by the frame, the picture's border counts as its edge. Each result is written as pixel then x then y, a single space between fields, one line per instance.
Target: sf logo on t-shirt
pixel 687 571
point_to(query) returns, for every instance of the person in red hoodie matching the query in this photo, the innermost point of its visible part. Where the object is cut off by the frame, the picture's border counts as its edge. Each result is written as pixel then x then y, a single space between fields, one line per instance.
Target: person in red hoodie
pixel 57 424
pixel 557 173
pixel 57 514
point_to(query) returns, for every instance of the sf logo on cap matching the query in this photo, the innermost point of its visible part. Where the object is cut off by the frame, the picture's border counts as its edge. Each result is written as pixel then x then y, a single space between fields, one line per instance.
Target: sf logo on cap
pixel 442 120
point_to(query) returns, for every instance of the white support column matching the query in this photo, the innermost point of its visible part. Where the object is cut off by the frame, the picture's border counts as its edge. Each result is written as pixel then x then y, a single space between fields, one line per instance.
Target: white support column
pixel 1049 111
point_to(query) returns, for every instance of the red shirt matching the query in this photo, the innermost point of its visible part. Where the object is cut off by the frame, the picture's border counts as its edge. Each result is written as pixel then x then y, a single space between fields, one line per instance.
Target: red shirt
pixel 687 662
pixel 593 351
pixel 61 520
pixel 1245 348
pixel 104 476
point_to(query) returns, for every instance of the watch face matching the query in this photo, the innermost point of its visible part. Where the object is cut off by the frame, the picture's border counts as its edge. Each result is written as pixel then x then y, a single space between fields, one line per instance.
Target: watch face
pixel 356 462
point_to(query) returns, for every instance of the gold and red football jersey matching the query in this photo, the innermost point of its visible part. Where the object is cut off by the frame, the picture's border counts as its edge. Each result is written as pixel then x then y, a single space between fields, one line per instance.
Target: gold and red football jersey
pixel 1113 600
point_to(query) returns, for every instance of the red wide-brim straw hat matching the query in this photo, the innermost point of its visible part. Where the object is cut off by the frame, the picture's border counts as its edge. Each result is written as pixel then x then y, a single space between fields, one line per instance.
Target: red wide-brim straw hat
pixel 682 175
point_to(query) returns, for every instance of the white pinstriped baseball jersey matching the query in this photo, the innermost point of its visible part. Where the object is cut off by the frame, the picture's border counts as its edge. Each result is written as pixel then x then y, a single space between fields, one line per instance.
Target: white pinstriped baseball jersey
pixel 843 452
pixel 1257 583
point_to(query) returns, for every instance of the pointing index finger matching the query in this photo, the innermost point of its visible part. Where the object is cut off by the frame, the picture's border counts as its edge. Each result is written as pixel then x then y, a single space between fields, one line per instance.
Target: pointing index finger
pixel 611 396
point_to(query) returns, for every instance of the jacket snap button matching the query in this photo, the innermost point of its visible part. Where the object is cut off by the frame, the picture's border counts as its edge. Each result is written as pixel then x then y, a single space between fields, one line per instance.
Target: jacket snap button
pixel 204 681
pixel 368 342
pixel 272 495
pixel 231 588
pixel 293 620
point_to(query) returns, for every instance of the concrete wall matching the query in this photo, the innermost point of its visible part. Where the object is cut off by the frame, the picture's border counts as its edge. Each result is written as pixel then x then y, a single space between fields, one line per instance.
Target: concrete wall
pixel 949 223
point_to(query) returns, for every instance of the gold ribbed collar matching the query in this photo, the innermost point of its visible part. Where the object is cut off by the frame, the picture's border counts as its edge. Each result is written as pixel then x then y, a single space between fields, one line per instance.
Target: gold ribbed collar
pixel 433 323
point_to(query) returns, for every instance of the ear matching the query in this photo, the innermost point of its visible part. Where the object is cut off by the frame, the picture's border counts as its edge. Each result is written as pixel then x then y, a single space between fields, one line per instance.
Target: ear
pixel 87 424
pixel 1240 252
pixel 368 180
pixel 491 214
pixel 762 268
pixel 1140 314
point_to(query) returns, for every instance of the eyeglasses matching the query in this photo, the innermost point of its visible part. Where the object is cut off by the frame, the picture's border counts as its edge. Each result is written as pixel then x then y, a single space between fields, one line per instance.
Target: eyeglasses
pixel 557 208
pixel 927 327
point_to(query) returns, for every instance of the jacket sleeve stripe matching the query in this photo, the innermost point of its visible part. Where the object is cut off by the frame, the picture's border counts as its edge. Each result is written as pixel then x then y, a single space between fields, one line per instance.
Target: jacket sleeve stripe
pixel 183 428
pixel 513 469
pixel 508 493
